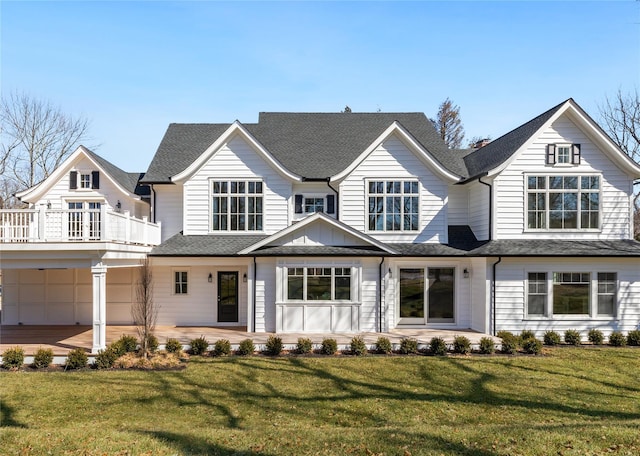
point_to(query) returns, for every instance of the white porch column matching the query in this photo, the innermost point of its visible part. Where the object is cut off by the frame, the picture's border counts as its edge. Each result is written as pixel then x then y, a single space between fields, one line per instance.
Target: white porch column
pixel 99 274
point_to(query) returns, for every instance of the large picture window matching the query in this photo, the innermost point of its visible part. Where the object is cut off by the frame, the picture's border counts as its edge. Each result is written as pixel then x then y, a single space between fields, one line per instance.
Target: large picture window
pixel 236 205
pixel 563 202
pixel 319 284
pixel 393 205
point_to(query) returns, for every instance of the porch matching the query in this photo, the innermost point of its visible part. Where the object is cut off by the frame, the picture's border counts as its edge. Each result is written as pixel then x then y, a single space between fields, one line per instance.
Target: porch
pixel 62 339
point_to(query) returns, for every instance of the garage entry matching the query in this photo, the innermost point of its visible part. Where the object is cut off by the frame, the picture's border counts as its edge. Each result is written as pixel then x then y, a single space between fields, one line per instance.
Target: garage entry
pixel 64 296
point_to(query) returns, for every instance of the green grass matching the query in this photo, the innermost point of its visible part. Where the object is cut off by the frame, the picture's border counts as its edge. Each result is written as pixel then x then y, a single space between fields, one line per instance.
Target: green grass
pixel 572 401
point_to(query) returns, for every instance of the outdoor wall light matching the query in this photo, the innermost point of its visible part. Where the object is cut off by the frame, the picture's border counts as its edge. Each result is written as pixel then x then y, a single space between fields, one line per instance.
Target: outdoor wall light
pixel 465 273
pixel 210 278
pixel 389 272
pixel 118 206
pixel 48 204
pixel 244 277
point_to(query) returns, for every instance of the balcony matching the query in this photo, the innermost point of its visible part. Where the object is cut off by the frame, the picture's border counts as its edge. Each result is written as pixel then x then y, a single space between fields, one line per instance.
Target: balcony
pixel 76 225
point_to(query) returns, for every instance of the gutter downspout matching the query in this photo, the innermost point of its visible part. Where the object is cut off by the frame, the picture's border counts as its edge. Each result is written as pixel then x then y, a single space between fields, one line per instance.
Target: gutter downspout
pixel 493 294
pixel 490 206
pixel 255 272
pixel 380 292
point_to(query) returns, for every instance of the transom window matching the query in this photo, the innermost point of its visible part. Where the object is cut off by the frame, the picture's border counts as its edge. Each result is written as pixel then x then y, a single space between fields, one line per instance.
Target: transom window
pixel 563 202
pixel 319 284
pixel 236 205
pixel 571 293
pixel 393 205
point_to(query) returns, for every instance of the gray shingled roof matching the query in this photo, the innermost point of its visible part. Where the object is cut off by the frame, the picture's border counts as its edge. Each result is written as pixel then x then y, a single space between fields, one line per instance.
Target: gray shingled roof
pixel 205 245
pixel 312 145
pixel 558 248
pixel 129 181
pixel 499 150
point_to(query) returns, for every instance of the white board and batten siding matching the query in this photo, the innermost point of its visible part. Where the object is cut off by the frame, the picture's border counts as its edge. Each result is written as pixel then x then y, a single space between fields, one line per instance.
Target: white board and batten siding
pixel 59 193
pixel 168 209
pixel 236 160
pixel 392 160
pixel 511 296
pixel 64 296
pixel 510 190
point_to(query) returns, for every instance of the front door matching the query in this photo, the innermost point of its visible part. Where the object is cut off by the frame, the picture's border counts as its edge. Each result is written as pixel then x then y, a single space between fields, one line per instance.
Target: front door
pixel 227 296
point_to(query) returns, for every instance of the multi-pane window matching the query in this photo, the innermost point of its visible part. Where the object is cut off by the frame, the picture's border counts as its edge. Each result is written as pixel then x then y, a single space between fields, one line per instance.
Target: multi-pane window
pixel 537 293
pixel 319 284
pixel 236 206
pixel 180 282
pixel 563 202
pixel 393 205
pixel 85 180
pixel 312 205
pixel 84 220
pixel 607 290
pixel 563 154
pixel 571 292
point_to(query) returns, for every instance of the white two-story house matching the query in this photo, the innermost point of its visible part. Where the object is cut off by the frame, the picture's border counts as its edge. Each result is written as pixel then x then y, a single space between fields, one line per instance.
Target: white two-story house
pixel 347 223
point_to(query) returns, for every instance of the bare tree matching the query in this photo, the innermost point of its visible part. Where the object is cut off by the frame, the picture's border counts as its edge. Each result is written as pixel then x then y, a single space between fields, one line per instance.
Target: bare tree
pixel 449 124
pixel 35 138
pixel 620 116
pixel 144 310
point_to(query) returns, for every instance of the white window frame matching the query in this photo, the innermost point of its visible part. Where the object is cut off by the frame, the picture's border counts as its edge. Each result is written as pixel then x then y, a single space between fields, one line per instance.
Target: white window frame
pixel 384 195
pixel 82 181
pixel 174 282
pixel 313 197
pixel 228 195
pixel 579 191
pixel 568 148
pixel 593 295
pixel 305 275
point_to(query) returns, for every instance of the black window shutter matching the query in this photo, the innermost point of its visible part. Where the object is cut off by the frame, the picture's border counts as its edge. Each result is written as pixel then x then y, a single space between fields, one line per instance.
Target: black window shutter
pixel 551 154
pixel 298 208
pixel 331 204
pixel 95 179
pixel 73 180
pixel 575 154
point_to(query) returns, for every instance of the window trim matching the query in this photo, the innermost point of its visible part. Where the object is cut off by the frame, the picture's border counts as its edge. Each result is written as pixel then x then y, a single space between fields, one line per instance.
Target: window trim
pixel 593 295
pixel 228 195
pixel 305 274
pixel 384 195
pixel 174 281
pixel 579 191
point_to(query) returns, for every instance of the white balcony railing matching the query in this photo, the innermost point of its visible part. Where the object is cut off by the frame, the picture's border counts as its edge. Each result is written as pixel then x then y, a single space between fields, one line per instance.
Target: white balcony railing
pixel 76 225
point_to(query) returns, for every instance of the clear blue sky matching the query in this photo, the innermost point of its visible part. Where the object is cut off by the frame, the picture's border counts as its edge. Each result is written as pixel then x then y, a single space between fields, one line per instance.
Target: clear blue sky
pixel 134 67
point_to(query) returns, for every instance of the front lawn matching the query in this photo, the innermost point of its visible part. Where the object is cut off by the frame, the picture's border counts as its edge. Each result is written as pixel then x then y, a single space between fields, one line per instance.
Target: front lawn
pixel 571 401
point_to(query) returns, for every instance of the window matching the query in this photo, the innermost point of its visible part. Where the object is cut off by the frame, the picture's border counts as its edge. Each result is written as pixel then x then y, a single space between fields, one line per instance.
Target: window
pixel 319 284
pixel 563 202
pixel 607 288
pixel 85 180
pixel 312 205
pixel 180 282
pixel 236 206
pixel 563 154
pixel 537 296
pixel 393 205
pixel 84 220
pixel 571 293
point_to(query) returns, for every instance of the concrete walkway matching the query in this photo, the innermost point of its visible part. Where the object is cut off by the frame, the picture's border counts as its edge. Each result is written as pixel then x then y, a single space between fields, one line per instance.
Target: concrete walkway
pixel 61 339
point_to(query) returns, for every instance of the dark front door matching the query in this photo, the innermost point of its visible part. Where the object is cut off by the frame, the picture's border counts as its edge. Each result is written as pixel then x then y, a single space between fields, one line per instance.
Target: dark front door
pixel 227 296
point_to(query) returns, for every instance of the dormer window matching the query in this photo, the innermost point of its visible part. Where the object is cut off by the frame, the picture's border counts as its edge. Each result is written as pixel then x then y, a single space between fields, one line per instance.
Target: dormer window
pixel 563 154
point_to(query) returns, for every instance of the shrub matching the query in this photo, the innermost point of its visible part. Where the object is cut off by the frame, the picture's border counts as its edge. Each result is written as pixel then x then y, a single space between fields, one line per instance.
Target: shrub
pixel 76 359
pixel 509 342
pixel 408 345
pixel 105 359
pixel 595 336
pixel 173 346
pixel 524 335
pixel 633 337
pixel 304 345
pixel 383 345
pixel 329 346
pixel 13 358
pixel 462 345
pixel 126 344
pixel 222 347
pixel 487 346
pixel 358 347
pixel 532 346
pixel 617 339
pixel 199 346
pixel 552 338
pixel 273 347
pixel 246 347
pixel 43 358
pixel 437 346
pixel 152 343
pixel 572 337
